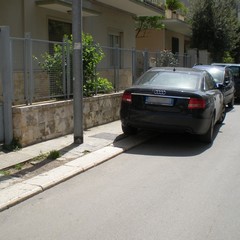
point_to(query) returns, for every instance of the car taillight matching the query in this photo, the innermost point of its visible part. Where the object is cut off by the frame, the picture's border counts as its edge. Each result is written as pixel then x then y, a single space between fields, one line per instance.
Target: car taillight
pixel 196 103
pixel 127 97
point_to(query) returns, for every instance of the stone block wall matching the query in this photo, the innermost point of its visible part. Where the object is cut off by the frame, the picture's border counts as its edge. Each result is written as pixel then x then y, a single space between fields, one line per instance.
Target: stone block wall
pixel 48 120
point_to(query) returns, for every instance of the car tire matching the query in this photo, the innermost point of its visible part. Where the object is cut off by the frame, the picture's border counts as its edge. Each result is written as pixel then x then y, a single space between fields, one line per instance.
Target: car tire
pixel 231 104
pixel 208 136
pixel 128 130
pixel 222 116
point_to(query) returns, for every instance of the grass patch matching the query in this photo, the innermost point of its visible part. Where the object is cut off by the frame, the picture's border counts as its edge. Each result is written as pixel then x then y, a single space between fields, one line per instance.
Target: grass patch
pixel 86 152
pixel 19 166
pixel 5 172
pixel 54 155
pixel 35 163
pixel 40 157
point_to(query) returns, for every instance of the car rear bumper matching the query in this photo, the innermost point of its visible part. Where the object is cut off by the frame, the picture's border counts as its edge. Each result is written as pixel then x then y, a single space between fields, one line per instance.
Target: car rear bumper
pixel 168 122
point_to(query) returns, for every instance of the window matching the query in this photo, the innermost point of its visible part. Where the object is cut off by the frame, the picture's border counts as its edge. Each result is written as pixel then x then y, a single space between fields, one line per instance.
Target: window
pixel 175 45
pixel 57 29
pixel 209 83
pixel 115 42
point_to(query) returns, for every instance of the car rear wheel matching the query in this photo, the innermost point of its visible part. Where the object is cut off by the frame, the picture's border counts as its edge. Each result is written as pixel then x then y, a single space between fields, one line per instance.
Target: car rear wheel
pixel 222 116
pixel 208 136
pixel 128 130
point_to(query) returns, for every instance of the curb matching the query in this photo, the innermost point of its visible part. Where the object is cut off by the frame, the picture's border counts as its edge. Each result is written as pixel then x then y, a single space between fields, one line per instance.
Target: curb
pixel 22 191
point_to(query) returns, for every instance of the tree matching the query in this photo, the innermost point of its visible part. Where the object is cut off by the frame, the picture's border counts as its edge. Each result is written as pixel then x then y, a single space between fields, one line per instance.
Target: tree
pixel 145 23
pixel 214 26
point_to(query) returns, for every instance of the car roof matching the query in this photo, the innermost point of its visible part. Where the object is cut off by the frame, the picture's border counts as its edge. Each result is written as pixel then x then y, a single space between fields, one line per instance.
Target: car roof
pixel 226 64
pixel 177 69
pixel 207 67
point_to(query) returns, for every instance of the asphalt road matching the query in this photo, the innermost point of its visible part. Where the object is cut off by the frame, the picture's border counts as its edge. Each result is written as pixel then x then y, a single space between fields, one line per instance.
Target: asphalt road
pixel 170 188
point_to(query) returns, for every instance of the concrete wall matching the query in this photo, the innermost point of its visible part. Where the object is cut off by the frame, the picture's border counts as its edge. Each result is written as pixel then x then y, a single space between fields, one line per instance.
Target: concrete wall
pixel 152 40
pixel 111 21
pixel 48 120
pixel 25 16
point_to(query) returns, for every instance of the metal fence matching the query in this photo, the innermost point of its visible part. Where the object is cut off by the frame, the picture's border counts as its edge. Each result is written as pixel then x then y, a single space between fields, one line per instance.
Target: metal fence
pixel 42 70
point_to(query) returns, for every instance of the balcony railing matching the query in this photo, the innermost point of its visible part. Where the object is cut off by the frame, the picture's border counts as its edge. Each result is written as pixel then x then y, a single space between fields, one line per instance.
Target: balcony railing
pixel 173 15
pixel 158 3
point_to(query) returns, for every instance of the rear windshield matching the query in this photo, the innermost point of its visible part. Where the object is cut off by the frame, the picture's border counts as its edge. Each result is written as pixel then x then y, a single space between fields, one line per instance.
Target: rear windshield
pixel 217 74
pixel 177 80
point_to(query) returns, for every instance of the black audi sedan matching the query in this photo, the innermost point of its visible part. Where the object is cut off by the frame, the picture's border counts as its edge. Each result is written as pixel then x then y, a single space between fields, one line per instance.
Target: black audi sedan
pixel 224 76
pixel 173 98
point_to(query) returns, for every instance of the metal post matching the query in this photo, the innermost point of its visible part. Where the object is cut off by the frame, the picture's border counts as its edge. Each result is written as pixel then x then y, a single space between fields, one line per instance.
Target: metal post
pixel 116 68
pixel 134 70
pixel 77 71
pixel 64 47
pixel 6 75
pixel 26 77
pixel 68 70
pixel 146 61
pixel 29 67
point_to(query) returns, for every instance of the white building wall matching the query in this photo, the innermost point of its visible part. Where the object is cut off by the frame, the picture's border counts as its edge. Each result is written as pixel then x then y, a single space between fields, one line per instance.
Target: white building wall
pixel 25 16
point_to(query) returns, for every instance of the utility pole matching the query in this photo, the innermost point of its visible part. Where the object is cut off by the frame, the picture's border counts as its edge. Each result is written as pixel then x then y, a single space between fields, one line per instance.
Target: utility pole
pixel 77 71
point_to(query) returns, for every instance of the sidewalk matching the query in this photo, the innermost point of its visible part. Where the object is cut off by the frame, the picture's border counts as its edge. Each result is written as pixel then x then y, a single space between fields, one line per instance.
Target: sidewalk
pixel 100 144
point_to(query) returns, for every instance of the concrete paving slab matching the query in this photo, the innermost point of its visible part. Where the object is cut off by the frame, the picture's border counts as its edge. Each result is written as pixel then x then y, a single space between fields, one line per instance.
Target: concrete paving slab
pixel 13 158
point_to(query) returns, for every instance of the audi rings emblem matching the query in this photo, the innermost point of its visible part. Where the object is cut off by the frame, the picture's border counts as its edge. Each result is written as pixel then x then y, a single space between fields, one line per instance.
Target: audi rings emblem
pixel 159 92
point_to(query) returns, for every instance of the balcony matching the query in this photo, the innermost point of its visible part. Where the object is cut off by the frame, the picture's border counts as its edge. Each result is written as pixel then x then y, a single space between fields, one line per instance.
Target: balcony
pixel 64 6
pixel 138 7
pixel 176 22
pixel 135 7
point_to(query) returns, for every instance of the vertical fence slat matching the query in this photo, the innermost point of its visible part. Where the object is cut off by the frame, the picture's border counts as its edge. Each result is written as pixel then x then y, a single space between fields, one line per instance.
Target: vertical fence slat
pixel 68 70
pixel 7 82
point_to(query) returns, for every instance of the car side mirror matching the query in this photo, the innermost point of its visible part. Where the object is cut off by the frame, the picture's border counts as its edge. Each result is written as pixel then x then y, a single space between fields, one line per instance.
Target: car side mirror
pixel 226 80
pixel 220 86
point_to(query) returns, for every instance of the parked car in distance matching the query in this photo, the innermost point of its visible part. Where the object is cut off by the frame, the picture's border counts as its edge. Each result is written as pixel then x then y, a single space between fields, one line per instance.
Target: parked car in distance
pixel 222 75
pixel 174 99
pixel 236 74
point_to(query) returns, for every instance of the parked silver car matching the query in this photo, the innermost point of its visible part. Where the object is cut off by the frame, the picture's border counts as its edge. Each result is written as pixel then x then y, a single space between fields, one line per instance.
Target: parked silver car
pixel 236 74
pixel 224 76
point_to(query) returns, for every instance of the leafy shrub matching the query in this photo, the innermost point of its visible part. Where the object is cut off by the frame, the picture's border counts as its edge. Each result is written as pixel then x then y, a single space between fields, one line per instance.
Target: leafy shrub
pixel 227 58
pixel 167 59
pixel 100 85
pixel 92 54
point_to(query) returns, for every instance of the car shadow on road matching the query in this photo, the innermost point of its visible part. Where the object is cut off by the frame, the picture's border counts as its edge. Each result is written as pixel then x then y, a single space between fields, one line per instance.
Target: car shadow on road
pixel 174 144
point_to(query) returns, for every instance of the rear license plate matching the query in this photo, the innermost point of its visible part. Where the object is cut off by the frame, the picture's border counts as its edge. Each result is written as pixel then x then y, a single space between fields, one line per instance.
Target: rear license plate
pixel 159 101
